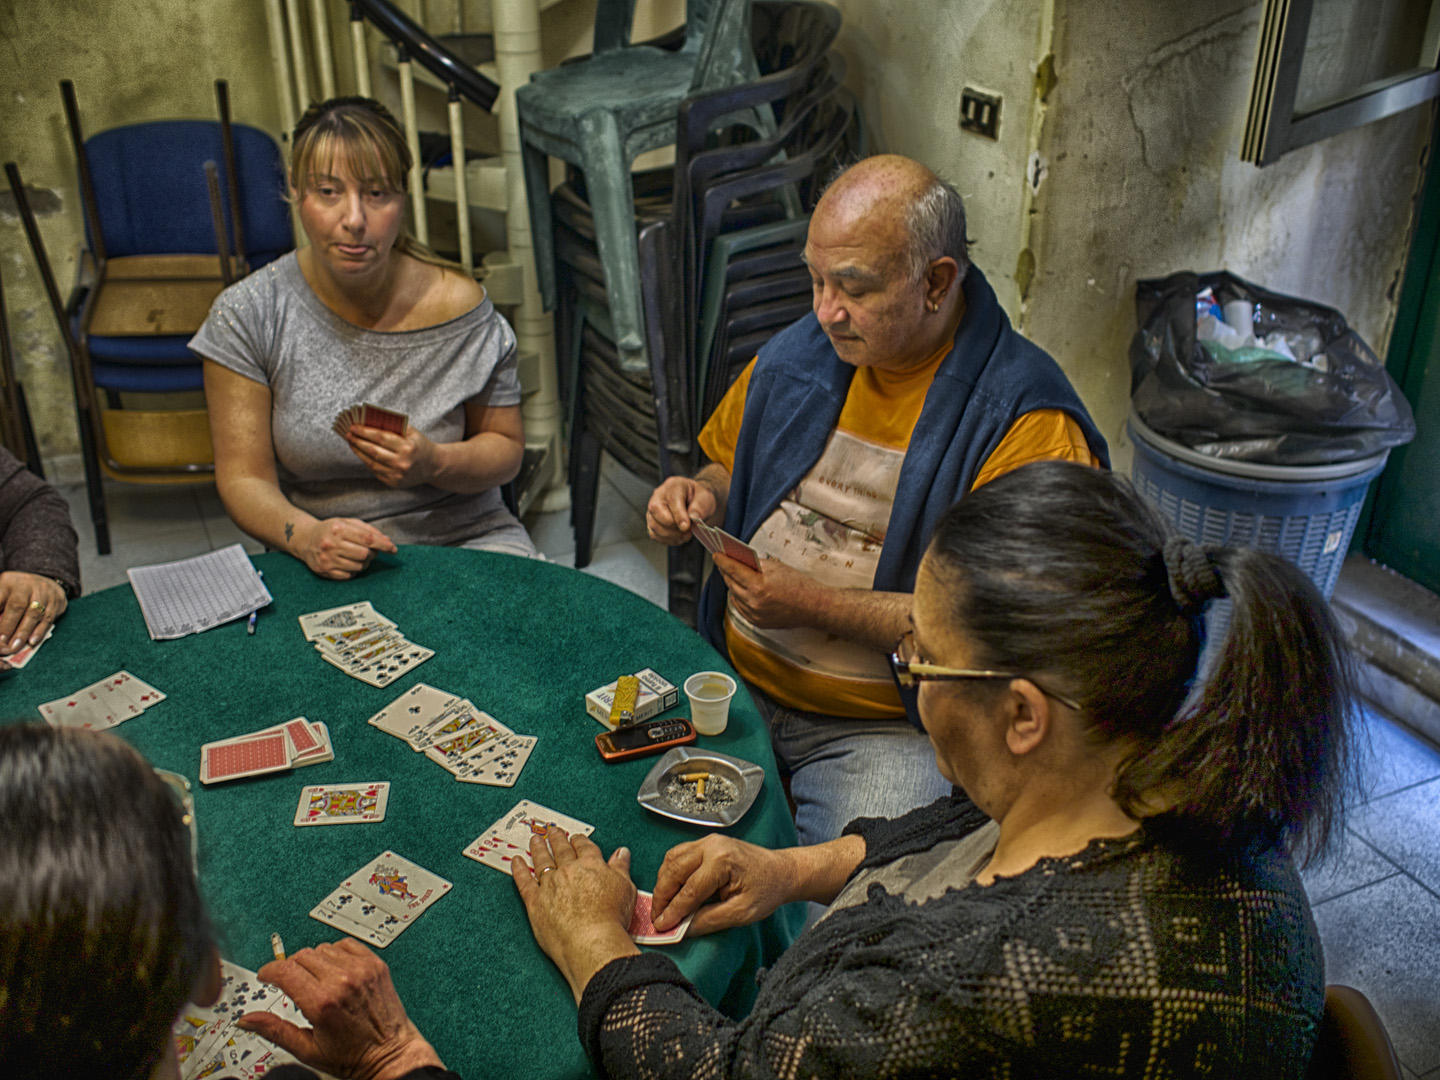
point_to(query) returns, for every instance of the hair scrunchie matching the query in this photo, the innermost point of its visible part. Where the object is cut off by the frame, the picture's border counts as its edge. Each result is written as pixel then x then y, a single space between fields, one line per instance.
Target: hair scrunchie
pixel 1192 576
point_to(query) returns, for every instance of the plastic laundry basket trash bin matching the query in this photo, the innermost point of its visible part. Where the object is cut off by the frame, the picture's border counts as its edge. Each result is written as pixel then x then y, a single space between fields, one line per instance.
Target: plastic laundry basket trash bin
pixel 1307 513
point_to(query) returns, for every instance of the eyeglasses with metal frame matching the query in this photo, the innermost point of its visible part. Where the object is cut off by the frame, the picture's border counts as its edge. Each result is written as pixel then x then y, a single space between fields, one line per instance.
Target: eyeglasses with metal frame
pixel 910 673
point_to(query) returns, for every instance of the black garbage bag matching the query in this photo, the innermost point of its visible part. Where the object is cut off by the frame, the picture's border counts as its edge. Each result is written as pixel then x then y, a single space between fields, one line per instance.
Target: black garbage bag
pixel 1334 402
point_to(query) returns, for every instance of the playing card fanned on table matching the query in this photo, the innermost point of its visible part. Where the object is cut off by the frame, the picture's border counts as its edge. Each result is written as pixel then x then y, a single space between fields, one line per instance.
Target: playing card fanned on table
pixel 512 833
pixel 208 1042
pixel 102 704
pixel 451 731
pixel 193 595
pixel 362 643
pixel 381 900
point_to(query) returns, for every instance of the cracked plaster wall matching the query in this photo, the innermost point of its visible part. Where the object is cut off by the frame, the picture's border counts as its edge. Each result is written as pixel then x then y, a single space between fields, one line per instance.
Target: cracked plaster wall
pixel 909 60
pixel 1142 138
pixel 130 62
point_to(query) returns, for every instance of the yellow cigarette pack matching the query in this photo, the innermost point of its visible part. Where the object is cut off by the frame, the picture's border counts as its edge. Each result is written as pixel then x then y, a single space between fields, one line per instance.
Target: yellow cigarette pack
pixel 656 695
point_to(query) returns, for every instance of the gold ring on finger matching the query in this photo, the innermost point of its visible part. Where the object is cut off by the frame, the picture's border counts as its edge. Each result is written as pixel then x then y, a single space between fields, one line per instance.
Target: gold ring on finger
pixel 543 871
pixel 36 605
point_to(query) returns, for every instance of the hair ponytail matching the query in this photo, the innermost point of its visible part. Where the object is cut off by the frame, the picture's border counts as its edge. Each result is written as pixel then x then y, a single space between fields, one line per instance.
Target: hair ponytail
pixel 1065 573
pixel 1257 755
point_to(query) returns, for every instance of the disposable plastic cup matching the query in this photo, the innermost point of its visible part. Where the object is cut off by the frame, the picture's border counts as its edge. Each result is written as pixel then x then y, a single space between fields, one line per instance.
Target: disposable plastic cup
pixel 709 693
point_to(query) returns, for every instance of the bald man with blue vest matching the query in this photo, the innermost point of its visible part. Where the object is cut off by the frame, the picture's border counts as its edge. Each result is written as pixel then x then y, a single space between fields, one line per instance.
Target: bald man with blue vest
pixel 834 453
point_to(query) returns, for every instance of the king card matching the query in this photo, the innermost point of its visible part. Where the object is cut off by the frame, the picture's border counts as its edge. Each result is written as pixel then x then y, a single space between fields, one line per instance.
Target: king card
pixel 511 834
pixel 382 899
pixel 343 804
pixel 349 617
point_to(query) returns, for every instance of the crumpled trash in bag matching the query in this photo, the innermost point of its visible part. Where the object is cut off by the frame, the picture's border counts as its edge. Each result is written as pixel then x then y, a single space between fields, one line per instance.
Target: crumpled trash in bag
pixel 1297 387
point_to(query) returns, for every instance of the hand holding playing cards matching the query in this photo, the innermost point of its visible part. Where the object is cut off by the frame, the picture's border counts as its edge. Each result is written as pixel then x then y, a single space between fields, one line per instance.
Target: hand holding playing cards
pixel 775 597
pixel 360 1027
pixel 339 548
pixel 398 461
pixel 29 604
pixel 579 905
pixel 674 504
pixel 747 882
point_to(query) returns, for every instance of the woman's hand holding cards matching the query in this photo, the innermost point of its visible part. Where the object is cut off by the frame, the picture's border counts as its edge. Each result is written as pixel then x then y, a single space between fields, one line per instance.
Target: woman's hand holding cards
pixel 360 1027
pixel 398 461
pixel 579 904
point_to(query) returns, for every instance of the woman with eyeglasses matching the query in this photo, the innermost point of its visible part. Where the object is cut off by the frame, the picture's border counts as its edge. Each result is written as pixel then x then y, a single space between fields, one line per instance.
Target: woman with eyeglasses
pixel 1110 889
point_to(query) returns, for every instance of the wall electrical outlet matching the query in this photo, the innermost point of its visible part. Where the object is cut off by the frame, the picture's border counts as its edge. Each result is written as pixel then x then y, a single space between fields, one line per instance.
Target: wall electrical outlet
pixel 980 112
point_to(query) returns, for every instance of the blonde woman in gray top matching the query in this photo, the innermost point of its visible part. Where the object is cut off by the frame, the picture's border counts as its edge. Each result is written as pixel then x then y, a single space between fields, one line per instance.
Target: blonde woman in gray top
pixel 363 314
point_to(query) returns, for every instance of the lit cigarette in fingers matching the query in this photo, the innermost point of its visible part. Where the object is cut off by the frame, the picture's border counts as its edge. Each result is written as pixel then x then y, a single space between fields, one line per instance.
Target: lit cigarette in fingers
pixel 277 946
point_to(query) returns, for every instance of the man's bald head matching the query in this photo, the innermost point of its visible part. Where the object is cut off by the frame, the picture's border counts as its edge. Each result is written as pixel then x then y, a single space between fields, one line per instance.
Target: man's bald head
pixel 923 215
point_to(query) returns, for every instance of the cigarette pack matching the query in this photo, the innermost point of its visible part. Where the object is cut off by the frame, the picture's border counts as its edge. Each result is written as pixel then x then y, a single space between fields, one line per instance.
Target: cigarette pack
pixel 656 695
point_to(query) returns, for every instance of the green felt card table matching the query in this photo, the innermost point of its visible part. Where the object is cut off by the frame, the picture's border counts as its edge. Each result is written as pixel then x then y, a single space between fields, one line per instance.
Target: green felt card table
pixel 524 640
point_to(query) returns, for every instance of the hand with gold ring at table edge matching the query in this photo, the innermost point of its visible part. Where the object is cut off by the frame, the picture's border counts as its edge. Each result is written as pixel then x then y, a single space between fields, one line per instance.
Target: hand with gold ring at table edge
pixel 29 604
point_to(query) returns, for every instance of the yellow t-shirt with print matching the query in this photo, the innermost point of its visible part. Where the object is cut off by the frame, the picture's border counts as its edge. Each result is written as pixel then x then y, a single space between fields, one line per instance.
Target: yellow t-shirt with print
pixel 832 527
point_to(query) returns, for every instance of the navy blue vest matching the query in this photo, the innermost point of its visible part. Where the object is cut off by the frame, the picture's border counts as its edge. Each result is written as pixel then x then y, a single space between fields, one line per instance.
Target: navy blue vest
pixel 990 378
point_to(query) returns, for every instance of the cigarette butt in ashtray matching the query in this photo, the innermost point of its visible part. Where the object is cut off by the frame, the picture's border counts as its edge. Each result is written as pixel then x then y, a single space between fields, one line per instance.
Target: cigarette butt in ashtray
pixel 700 788
pixel 691 777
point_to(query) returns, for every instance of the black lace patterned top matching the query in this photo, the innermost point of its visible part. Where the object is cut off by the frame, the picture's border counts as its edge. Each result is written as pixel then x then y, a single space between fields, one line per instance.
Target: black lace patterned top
pixel 1140 957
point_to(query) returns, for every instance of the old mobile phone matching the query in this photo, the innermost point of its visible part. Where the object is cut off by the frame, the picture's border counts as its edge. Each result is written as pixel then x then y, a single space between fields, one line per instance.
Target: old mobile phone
pixel 650 737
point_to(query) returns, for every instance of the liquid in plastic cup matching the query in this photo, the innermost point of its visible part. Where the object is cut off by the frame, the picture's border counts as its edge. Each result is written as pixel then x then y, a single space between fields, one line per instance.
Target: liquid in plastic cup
pixel 709 693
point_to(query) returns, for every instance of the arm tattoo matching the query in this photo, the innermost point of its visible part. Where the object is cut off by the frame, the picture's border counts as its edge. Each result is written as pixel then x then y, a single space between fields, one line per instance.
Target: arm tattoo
pixel 289 531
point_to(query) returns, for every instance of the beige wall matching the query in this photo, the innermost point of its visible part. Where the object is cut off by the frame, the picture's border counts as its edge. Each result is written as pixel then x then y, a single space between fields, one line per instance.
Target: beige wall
pixel 1142 142
pixel 909 61
pixel 1137 143
pixel 132 61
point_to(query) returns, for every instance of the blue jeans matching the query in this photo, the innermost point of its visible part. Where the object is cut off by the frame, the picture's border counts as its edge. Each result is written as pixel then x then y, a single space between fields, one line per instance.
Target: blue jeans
pixel 841 769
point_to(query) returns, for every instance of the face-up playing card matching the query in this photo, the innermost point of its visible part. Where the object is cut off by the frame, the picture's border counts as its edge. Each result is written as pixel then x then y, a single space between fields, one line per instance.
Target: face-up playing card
pixel 231 759
pixel 510 835
pixel 381 899
pixel 408 714
pixel 498 763
pixel 98 706
pixel 385 669
pixel 349 617
pixel 470 730
pixel 642 929
pixel 343 804
pixel 208 1043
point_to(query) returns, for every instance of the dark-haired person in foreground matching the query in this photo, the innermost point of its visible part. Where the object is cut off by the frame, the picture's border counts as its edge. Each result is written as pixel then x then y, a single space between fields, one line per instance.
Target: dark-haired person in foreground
pixel 39 556
pixel 104 937
pixel 1110 891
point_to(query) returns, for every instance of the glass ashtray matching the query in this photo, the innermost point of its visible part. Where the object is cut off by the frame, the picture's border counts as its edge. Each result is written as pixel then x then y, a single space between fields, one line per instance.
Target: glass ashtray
pixel 730 787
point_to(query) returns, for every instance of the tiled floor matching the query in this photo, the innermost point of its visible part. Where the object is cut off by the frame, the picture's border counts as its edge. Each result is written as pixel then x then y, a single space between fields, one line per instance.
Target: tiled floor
pixel 1376 899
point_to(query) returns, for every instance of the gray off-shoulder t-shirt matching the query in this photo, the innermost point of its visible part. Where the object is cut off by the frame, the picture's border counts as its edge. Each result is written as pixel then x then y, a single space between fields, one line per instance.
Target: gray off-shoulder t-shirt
pixel 272 328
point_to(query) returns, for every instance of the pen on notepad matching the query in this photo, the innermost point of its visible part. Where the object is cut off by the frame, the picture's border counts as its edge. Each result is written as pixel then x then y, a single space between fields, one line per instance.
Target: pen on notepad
pixel 250 625
pixel 277 946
